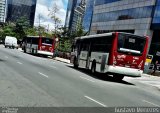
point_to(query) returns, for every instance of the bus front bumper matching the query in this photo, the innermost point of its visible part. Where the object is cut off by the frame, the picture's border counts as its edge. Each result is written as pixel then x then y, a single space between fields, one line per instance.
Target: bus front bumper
pixel 45 53
pixel 125 71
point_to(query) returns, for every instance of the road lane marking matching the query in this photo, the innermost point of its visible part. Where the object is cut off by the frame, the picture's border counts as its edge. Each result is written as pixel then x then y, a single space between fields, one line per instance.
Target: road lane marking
pixel 43 74
pixel 53 67
pixel 19 63
pixel 95 101
pixel 150 103
pixel 87 79
pixel 6 56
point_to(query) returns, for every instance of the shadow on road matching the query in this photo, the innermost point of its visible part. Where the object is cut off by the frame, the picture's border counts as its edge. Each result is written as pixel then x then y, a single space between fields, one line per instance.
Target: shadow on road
pixel 1 60
pixel 101 76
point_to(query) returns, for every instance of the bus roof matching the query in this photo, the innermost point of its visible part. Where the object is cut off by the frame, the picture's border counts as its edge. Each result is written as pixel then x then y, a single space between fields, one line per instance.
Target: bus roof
pixel 37 37
pixel 104 34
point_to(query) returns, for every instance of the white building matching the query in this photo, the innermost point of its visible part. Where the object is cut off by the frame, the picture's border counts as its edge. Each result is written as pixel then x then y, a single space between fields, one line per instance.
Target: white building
pixel 3 7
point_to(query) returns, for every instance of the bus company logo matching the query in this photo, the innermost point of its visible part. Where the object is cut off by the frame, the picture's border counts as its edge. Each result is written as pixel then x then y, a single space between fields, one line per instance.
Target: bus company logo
pixel 135 58
pixel 121 56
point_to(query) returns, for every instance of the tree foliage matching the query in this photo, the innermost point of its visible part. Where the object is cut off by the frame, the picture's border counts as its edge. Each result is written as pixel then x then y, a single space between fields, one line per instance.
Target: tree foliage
pixel 22 28
pixel 53 14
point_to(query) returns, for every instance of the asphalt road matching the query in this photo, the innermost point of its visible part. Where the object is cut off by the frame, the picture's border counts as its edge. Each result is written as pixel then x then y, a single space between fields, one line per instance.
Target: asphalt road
pixel 27 80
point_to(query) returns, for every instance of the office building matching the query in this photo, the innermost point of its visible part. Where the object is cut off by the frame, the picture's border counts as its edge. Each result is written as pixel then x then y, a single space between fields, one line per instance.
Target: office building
pixel 85 14
pixel 141 17
pixel 3 8
pixel 88 15
pixel 78 17
pixel 70 12
pixel 21 8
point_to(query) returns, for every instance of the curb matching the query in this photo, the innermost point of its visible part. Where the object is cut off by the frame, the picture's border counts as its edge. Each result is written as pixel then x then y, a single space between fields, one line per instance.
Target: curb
pixel 61 61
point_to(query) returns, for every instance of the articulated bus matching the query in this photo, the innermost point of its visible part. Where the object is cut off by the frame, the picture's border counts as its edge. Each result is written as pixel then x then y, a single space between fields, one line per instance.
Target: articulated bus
pixel 116 53
pixel 39 45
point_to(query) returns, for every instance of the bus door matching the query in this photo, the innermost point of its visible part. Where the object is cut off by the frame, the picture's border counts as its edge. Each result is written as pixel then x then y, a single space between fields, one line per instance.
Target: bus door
pixel 28 45
pixel 84 52
pixel 88 56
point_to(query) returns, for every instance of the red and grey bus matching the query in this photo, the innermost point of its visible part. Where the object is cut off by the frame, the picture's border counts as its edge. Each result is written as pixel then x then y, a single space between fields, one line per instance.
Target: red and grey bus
pixel 39 45
pixel 116 53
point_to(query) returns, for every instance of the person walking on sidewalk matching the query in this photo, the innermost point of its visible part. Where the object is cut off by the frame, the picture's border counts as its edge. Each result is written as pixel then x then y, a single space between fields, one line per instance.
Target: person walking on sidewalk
pixel 155 68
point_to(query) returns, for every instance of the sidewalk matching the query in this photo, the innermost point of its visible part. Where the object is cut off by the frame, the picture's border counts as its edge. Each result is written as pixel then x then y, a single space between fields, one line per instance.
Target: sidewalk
pixel 20 49
pixel 62 60
pixel 150 76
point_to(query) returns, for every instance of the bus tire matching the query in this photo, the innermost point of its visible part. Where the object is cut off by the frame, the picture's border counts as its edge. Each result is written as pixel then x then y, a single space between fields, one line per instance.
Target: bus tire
pixel 93 67
pixel 75 63
pixel 118 77
pixel 24 50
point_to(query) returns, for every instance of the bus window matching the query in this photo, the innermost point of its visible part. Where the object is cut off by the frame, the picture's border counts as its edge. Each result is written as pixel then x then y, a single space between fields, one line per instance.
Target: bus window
pixel 103 44
pixel 131 44
pixel 85 45
pixel 29 40
pixel 47 41
pixel 35 41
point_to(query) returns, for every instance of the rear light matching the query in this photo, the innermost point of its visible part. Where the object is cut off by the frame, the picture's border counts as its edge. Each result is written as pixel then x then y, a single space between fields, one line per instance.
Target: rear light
pixel 50 48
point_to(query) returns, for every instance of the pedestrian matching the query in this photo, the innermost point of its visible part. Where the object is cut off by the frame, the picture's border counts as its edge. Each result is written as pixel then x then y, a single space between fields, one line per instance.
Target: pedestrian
pixel 155 68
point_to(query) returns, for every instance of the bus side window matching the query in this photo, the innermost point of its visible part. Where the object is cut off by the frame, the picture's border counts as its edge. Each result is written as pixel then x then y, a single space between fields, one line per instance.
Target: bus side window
pixel 102 45
pixel 85 45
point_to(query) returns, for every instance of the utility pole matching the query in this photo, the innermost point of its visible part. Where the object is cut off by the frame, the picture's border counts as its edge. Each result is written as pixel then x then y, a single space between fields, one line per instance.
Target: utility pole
pixel 48 28
pixel 39 24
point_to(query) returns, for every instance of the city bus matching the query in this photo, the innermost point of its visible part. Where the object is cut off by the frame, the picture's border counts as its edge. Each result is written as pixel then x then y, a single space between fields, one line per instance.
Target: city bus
pixel 38 45
pixel 117 53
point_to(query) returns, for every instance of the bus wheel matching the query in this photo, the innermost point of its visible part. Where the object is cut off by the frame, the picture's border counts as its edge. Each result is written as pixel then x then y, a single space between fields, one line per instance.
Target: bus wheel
pixel 118 77
pixel 24 50
pixel 93 68
pixel 75 63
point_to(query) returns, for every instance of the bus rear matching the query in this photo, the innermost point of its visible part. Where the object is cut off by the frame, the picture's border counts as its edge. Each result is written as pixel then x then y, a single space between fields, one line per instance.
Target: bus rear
pixel 128 55
pixel 46 46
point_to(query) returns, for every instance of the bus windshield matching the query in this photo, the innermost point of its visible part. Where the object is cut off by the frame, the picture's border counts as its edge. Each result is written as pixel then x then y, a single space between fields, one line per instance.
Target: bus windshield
pixel 131 44
pixel 47 41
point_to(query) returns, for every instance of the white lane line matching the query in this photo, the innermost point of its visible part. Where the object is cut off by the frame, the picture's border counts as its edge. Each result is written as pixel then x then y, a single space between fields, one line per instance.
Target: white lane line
pixel 43 74
pixel 87 79
pixel 95 101
pixel 150 103
pixel 53 67
pixel 6 56
pixel 19 63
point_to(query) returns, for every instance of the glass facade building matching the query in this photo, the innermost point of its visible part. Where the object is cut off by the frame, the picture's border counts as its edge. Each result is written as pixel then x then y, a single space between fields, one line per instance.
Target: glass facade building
pixel 72 4
pixel 70 12
pixel 3 11
pixel 101 2
pixel 72 15
pixel 21 8
pixel 88 15
pixel 155 26
pixel 141 17
pixel 132 16
pixel 133 13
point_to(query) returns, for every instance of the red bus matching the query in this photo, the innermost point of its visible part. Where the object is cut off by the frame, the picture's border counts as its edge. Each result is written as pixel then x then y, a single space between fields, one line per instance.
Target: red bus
pixel 121 54
pixel 39 45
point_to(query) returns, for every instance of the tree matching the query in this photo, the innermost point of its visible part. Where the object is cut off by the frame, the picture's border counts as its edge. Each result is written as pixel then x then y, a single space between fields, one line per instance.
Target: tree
pixel 22 25
pixel 7 30
pixel 54 17
pixel 79 32
pixel 32 31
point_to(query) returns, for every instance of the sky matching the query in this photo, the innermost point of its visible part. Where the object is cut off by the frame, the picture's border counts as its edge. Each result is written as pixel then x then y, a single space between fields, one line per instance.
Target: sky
pixel 43 9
